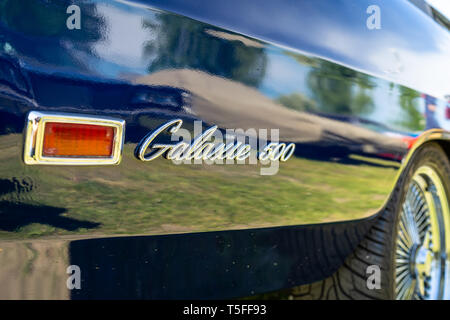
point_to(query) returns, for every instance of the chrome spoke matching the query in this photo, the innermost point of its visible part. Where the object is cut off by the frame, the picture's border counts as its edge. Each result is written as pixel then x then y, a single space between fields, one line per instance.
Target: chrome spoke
pixel 421 241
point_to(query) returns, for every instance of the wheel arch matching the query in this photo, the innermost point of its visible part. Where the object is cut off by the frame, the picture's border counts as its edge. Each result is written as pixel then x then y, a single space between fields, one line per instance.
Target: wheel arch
pixel 439 136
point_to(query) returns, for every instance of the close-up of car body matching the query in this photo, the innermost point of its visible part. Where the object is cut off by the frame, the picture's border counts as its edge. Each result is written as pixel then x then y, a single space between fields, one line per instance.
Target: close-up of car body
pixel 169 149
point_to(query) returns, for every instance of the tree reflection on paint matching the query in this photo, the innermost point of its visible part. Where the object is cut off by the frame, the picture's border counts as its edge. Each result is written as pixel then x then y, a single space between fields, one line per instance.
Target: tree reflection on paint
pixel 185 43
pixel 340 90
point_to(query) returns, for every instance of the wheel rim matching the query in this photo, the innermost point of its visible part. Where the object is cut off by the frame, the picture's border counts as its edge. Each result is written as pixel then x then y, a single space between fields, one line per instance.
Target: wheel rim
pixel 422 267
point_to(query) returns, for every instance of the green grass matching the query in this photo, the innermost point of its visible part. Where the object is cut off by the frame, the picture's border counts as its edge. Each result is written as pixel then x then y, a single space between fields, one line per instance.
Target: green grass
pixel 160 197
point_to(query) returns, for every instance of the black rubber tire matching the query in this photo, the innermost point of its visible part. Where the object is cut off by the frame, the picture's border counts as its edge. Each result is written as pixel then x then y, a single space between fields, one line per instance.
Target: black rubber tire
pixel 378 247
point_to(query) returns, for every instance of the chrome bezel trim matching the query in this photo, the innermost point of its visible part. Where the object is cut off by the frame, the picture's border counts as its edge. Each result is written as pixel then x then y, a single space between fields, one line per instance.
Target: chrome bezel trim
pixel 34 138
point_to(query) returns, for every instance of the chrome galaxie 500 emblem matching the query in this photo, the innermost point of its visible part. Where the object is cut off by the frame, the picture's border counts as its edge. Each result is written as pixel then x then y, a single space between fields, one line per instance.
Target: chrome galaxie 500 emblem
pixel 201 148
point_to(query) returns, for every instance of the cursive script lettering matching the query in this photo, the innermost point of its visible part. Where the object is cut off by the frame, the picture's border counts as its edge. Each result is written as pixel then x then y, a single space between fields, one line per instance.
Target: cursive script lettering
pixel 202 149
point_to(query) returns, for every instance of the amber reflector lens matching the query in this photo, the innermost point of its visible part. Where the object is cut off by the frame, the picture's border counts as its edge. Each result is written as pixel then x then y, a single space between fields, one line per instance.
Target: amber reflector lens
pixel 77 140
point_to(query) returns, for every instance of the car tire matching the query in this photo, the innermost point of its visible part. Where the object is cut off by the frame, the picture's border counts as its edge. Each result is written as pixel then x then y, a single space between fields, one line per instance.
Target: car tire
pixel 384 245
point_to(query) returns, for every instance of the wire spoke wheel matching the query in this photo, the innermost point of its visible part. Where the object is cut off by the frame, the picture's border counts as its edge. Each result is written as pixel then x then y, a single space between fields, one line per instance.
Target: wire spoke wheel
pixel 409 241
pixel 422 267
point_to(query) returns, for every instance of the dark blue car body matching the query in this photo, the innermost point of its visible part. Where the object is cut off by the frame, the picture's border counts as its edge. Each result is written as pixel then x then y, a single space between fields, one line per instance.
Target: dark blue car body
pixel 354 100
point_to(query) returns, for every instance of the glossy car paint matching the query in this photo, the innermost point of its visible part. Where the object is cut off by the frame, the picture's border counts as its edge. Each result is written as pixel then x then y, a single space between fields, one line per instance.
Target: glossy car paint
pixel 353 100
